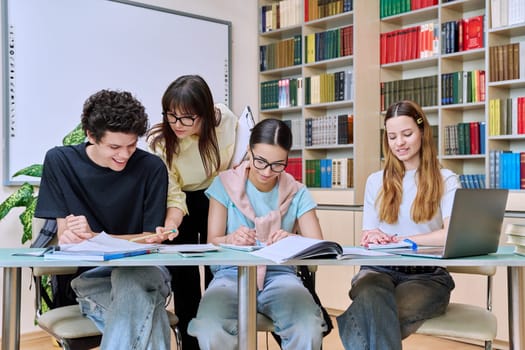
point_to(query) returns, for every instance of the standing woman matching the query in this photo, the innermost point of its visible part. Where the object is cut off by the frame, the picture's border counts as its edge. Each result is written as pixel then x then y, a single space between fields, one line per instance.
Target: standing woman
pixel 196 140
pixel 412 197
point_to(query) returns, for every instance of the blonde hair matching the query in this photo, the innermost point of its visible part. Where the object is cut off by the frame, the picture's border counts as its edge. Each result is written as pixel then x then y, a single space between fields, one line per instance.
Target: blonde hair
pixel 430 184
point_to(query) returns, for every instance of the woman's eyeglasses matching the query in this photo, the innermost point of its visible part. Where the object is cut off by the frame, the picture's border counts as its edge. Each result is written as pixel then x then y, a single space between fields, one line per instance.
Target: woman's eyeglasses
pixel 261 164
pixel 186 120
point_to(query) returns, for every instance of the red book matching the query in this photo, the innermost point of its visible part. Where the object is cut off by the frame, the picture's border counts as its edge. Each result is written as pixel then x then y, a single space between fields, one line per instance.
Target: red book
pixel 383 48
pixel 521 115
pixel 473 33
pixel 481 87
pixel 306 10
pixel 474 138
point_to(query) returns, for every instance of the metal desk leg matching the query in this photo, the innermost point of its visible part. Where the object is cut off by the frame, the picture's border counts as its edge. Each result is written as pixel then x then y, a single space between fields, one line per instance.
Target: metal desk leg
pixel 516 306
pixel 247 285
pixel 11 308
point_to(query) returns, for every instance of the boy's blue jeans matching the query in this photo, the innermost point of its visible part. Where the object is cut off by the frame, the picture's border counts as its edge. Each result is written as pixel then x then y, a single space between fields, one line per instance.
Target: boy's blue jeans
pixel 389 305
pixel 127 304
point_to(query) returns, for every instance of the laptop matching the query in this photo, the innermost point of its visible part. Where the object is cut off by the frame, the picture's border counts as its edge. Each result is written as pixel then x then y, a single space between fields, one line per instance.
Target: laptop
pixel 474 228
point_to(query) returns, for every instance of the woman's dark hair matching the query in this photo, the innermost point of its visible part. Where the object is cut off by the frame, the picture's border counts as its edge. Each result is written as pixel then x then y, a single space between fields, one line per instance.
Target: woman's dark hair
pixel 115 111
pixel 189 95
pixel 271 132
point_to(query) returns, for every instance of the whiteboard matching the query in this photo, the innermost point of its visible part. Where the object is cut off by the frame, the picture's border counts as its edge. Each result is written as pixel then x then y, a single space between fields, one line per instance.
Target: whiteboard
pixel 58 52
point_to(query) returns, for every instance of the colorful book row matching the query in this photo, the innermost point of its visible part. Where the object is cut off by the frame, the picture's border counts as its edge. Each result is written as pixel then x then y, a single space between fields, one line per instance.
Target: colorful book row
pixel 329 130
pixel 423 90
pixel 329 44
pixel 507 169
pixel 395 7
pixel 285 13
pixel 463 87
pixel 281 54
pixel 465 138
pixel 329 173
pixel 507 116
pixel 463 35
pixel 328 87
pixel 316 9
pixel 411 43
pixel 472 180
pixel 507 12
pixel 507 62
pixel 282 93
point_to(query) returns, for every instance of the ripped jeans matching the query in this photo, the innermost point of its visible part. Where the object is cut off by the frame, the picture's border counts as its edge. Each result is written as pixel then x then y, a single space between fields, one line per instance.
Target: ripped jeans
pixel 127 304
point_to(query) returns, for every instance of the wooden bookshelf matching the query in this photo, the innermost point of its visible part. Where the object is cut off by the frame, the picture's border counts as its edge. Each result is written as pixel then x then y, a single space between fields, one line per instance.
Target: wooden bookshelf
pixel 319 68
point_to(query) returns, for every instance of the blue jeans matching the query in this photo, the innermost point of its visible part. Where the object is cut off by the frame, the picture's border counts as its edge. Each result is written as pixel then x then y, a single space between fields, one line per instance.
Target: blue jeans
pixel 389 305
pixel 128 305
pixel 284 299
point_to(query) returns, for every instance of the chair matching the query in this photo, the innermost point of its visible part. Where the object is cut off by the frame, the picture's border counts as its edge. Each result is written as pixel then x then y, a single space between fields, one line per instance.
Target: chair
pixel 67 324
pixel 466 321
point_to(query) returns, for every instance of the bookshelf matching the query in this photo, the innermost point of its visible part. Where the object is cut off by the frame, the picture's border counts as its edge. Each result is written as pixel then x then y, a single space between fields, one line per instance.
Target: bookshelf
pixel 450 107
pixel 339 221
pixel 321 84
pixel 462 62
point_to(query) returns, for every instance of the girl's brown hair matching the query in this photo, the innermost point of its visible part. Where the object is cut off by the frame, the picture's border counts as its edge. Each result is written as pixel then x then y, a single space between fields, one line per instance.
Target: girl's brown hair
pixel 430 184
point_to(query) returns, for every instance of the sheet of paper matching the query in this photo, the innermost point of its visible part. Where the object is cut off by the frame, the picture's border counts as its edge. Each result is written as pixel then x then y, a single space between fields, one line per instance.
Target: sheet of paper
pixel 244 130
pixel 105 243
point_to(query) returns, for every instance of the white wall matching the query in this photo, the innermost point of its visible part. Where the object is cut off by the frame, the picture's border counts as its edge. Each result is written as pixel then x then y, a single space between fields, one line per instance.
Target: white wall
pixel 243 16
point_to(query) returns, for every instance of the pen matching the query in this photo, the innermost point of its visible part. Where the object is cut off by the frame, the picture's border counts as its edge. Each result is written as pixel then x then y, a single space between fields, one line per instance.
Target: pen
pixel 411 242
pixel 140 238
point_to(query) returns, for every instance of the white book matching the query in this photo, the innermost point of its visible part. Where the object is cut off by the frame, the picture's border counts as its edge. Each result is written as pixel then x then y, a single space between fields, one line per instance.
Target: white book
pixel 516 12
pixel 495 13
pixel 504 16
pixel 242 137
pixel 299 247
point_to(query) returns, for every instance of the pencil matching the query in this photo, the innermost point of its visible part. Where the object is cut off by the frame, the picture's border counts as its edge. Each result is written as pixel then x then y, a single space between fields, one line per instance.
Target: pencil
pixel 140 238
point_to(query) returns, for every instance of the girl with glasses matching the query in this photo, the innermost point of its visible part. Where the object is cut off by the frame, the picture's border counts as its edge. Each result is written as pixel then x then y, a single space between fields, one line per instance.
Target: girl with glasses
pixel 195 140
pixel 259 202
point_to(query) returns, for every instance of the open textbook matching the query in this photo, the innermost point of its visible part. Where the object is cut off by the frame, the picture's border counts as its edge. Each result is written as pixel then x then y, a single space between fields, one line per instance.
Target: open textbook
pixel 102 247
pixel 299 247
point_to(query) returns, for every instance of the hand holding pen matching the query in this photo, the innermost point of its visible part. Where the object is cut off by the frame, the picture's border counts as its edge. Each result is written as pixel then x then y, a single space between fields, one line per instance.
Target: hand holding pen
pixel 242 236
pixel 160 236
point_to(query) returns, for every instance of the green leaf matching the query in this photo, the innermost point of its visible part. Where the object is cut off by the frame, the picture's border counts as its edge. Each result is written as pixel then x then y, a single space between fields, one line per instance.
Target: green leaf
pixel 21 198
pixel 74 137
pixel 26 218
pixel 34 170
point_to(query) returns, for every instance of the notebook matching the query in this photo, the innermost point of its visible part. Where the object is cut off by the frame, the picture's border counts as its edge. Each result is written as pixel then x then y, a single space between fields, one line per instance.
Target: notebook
pixel 474 228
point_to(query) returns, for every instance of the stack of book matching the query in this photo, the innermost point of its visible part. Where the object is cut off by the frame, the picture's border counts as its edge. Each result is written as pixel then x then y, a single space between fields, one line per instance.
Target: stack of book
pixel 516 235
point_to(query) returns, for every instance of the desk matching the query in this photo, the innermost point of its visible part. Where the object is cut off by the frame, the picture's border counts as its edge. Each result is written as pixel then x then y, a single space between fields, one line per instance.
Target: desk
pixel 247 282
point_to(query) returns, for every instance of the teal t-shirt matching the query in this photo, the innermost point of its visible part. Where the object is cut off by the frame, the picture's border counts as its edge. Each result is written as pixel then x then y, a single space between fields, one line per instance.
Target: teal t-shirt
pixel 262 203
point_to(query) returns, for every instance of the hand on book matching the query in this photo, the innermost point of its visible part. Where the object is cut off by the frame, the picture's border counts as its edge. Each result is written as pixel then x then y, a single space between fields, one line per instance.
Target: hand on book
pixel 76 229
pixel 277 236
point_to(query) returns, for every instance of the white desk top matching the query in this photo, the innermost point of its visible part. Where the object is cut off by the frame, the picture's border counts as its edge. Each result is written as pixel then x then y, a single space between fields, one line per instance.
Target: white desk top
pixel 504 257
